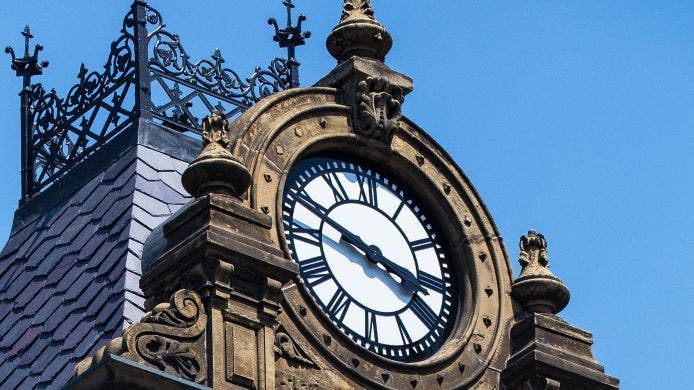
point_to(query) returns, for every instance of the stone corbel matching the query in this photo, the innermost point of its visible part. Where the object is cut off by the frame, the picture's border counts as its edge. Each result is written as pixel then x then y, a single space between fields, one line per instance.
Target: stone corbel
pixel 169 338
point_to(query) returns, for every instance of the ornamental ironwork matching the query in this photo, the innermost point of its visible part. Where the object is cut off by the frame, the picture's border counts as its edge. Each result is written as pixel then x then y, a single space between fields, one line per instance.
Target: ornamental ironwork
pixel 148 75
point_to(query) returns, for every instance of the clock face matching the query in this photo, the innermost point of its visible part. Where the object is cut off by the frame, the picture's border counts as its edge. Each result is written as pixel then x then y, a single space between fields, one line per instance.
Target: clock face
pixel 369 256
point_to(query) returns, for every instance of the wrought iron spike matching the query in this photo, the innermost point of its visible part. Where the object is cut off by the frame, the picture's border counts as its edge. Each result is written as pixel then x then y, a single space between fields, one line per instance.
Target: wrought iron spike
pixel 290 37
pixel 27 65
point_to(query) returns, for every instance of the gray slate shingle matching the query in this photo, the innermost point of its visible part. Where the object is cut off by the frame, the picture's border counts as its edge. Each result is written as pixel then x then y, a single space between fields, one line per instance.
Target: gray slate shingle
pixel 69 279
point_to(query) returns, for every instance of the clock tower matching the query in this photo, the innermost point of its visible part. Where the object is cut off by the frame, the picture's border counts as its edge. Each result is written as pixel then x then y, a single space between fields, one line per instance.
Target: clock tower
pixel 333 244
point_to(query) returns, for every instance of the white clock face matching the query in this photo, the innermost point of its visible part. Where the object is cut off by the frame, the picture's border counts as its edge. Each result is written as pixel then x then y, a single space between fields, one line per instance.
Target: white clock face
pixel 369 256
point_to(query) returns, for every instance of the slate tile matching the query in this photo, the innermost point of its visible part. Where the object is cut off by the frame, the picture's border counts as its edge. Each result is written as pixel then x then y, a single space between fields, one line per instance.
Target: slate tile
pixel 7 367
pixel 113 305
pixel 13 327
pixel 73 228
pixel 93 198
pixel 37 347
pixel 9 275
pixel 99 293
pixel 136 298
pixel 128 186
pixel 31 290
pixel 136 247
pixel 17 285
pixel 122 163
pixel 153 206
pixel 173 180
pixel 108 255
pixel 159 190
pixel 156 160
pixel 133 264
pixel 83 238
pixel 131 312
pixel 17 238
pixel 122 180
pixel 93 244
pixel 55 366
pixel 26 339
pixel 50 306
pixel 15 378
pixel 64 375
pixel 49 354
pixel 107 200
pixel 179 165
pixel 149 221
pixel 46 264
pixel 5 308
pixel 90 343
pixel 116 321
pixel 57 317
pixel 38 301
pixel 146 171
pixel 132 282
pixel 69 278
pixel 64 266
pixel 80 331
pixel 116 210
pixel 29 382
pixel 113 260
pixel 82 286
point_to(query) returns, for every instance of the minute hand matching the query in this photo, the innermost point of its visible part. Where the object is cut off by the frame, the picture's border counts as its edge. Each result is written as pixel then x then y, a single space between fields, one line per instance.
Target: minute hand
pixel 373 253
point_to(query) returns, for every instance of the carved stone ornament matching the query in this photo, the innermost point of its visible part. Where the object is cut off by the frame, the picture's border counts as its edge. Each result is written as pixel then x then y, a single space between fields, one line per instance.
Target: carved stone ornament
pixel 169 338
pixel 359 33
pixel 284 381
pixel 216 170
pixel 288 349
pixel 379 107
pixel 537 288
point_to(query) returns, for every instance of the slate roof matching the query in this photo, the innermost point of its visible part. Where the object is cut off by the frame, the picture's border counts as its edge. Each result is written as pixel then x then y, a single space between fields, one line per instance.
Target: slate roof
pixel 69 273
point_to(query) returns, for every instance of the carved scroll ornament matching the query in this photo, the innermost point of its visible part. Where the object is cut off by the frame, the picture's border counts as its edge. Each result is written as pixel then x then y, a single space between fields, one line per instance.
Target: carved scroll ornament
pixel 378 108
pixel 169 338
pixel 287 348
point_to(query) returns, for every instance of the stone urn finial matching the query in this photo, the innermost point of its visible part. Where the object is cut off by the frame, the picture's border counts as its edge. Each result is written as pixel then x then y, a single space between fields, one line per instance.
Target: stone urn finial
pixel 537 289
pixel 359 33
pixel 216 170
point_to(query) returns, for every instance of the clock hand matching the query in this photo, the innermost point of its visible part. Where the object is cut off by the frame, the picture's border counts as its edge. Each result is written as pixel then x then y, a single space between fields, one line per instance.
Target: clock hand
pixel 373 253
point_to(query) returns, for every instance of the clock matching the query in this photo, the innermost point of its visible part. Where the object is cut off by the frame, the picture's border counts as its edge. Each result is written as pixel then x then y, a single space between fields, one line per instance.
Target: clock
pixel 370 256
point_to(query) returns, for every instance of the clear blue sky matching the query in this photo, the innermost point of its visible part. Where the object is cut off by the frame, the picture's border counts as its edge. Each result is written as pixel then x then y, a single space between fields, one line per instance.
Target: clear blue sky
pixel 574 118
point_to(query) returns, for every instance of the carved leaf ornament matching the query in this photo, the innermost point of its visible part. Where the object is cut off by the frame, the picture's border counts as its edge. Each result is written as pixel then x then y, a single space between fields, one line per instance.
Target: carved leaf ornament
pixel 379 108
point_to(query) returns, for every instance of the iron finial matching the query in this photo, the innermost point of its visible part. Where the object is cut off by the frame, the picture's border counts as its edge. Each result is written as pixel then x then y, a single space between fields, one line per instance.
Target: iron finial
pixel 27 65
pixel 290 37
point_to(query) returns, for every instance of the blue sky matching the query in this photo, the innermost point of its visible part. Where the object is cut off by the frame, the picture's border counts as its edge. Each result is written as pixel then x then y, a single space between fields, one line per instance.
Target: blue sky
pixel 574 118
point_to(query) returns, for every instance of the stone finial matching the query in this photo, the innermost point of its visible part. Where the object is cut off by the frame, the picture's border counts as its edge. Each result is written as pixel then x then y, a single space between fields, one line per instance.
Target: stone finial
pixel 359 33
pixel 537 289
pixel 216 170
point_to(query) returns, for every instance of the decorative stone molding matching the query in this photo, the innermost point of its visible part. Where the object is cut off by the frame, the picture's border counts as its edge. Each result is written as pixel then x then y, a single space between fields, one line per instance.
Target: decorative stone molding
pixel 379 108
pixel 537 289
pixel 285 347
pixel 169 338
pixel 286 381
